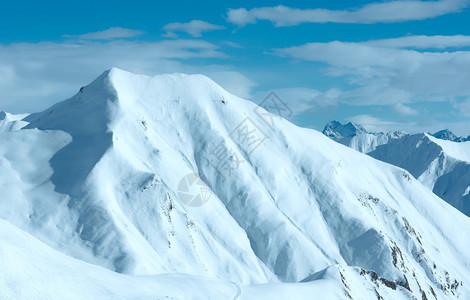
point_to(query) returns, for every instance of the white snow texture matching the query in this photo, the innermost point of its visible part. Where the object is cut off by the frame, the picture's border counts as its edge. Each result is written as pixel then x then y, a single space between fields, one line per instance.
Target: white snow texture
pixel 90 204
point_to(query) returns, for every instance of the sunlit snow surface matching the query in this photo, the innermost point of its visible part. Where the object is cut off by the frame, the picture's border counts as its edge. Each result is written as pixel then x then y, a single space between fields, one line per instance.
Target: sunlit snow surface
pixel 441 165
pixel 291 213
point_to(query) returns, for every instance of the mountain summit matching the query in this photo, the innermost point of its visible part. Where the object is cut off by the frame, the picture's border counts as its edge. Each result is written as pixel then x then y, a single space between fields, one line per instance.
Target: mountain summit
pixel 173 175
pixel 357 137
pixel 335 129
pixel 448 135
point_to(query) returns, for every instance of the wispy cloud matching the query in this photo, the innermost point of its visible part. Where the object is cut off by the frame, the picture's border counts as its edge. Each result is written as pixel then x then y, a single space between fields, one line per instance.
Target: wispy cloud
pixel 404 110
pixel 234 82
pixel 425 123
pixel 109 34
pixel 195 28
pixel 423 42
pixel 36 75
pixel 387 76
pixel 383 12
pixel 464 107
pixel 232 44
pixel 301 99
pixel 375 124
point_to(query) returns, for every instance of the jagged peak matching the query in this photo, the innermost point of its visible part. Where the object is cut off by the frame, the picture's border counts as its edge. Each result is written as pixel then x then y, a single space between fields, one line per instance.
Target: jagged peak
pixel 336 129
pixel 115 86
pixel 448 135
pixel 445 134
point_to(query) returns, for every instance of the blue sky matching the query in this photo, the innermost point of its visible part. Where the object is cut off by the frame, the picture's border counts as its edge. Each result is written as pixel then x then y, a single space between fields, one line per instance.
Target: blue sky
pixel 387 65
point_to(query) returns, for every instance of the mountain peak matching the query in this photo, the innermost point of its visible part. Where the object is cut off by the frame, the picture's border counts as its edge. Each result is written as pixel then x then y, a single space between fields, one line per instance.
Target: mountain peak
pixel 337 130
pixel 106 177
pixel 357 137
pixel 448 135
pixel 445 134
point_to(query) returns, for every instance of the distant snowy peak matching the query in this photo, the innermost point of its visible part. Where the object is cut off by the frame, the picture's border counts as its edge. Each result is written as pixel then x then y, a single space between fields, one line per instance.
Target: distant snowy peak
pixel 448 135
pixel 441 165
pixel 335 129
pixel 445 134
pixel 440 161
pixel 357 137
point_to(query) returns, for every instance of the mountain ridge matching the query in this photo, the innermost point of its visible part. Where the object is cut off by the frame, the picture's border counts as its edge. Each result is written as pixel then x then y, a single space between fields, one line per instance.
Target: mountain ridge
pixel 336 131
pixel 357 137
pixel 292 206
pixel 440 161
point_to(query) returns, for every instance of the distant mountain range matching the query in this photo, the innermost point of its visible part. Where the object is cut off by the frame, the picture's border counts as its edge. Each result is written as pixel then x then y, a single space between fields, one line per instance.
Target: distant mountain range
pixel 441 161
pixel 448 135
pixel 357 137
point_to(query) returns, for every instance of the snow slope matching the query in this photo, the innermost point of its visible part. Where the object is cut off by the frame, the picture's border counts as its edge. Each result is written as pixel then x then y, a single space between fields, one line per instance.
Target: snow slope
pixel 32 270
pixel 441 165
pixel 440 161
pixel 98 178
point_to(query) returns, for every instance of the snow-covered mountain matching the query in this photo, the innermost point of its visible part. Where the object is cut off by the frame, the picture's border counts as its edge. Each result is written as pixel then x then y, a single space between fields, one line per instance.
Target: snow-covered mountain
pixel 357 137
pixel 448 135
pixel 441 165
pixel 276 211
pixel 440 161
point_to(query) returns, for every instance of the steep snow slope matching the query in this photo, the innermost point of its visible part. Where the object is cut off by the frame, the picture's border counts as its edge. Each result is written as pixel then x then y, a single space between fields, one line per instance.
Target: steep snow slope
pixel 440 162
pixel 288 204
pixel 357 137
pixel 31 270
pixel 443 166
pixel 460 151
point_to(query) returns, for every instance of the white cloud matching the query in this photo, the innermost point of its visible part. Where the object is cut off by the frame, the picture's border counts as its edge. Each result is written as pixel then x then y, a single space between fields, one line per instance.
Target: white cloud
pixel 109 34
pixel 464 107
pixel 170 35
pixel 242 16
pixel 301 99
pixel 383 12
pixel 350 55
pixel 387 76
pixel 423 42
pixel 36 75
pixel 375 124
pixel 234 82
pixel 376 92
pixel 233 44
pixel 404 110
pixel 425 124
pixel 195 28
pixel 7 74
